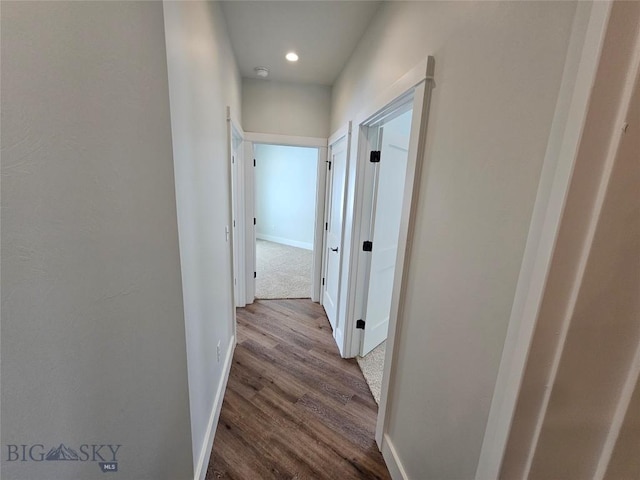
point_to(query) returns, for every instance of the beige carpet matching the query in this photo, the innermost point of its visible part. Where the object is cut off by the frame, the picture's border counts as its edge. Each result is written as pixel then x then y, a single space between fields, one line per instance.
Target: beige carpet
pixel 282 271
pixel 372 366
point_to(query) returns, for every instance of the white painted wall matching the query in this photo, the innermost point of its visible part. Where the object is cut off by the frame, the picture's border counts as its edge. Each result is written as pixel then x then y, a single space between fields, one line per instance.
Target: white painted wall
pixel 498 72
pixel 286 108
pixel 286 179
pixel 93 341
pixel 203 80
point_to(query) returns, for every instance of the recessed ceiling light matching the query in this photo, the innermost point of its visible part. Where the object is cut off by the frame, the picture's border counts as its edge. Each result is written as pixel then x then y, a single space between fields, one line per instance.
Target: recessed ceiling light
pixel 262 72
pixel 292 56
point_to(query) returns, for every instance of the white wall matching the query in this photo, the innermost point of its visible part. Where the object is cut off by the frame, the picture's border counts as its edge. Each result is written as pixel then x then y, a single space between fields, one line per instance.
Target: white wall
pixel 203 80
pixel 498 72
pixel 286 179
pixel 286 108
pixel 93 341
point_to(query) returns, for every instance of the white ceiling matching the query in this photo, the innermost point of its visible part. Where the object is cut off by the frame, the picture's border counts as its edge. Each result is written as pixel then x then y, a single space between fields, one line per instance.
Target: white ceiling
pixel 322 33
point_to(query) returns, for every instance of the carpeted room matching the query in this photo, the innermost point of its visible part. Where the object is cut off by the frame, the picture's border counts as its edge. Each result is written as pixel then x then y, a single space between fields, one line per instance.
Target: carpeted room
pixel 285 188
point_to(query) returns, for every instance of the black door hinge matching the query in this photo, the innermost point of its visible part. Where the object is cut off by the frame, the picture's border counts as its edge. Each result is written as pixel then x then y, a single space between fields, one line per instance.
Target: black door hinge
pixel 360 324
pixel 254 220
pixel 375 156
pixel 323 281
pixel 234 224
pixel 329 165
pixel 254 162
pixel 326 225
pixel 254 275
pixel 367 246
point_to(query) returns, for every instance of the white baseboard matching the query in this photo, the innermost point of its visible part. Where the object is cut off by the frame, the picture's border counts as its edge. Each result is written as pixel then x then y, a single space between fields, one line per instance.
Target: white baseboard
pixel 390 455
pixel 203 459
pixel 285 241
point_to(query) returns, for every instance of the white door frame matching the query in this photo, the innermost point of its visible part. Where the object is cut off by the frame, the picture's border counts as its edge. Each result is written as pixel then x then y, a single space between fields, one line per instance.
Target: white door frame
pixel 236 164
pixel 290 141
pixel 342 132
pixel 248 224
pixel 415 86
pixel 370 131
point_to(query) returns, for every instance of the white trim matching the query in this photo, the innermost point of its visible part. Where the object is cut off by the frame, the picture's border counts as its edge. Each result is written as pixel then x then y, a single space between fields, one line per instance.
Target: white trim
pixel 392 97
pixel 237 231
pixel 289 140
pixel 391 458
pixel 417 159
pixel 319 232
pixel 339 133
pixel 231 129
pixel 421 72
pixel 557 171
pixel 250 228
pixel 284 241
pixel 207 445
pixel 351 346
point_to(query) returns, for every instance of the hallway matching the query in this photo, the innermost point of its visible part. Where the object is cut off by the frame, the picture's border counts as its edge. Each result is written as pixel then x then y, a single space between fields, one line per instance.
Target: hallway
pixel 293 408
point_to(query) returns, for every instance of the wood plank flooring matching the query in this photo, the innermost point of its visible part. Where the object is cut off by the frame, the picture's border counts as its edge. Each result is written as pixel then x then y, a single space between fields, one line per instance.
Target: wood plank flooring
pixel 293 408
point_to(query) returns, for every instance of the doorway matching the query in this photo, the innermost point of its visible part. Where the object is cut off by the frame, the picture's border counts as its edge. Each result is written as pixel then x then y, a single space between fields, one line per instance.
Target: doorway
pixel 285 206
pixel 386 173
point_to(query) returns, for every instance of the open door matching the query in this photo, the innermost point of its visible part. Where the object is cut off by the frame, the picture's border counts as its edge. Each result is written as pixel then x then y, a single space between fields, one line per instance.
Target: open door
pixel 334 215
pixel 390 169
pixel 237 195
pixel 249 225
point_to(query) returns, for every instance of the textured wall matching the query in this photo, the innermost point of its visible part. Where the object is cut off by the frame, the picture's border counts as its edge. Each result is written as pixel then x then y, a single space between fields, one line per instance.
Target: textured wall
pixel 93 343
pixel 203 81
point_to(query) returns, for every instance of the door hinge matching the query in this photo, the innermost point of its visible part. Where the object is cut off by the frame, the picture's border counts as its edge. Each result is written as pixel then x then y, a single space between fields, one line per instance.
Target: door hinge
pixel 360 324
pixel 233 159
pixel 367 246
pixel 234 224
pixel 326 225
pixel 254 275
pixel 254 162
pixel 323 281
pixel 329 164
pixel 375 156
pixel 254 220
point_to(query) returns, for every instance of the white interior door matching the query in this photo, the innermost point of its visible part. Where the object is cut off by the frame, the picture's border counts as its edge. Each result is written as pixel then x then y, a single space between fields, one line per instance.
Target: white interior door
pixel 249 225
pixel 336 176
pixel 387 209
pixel 238 217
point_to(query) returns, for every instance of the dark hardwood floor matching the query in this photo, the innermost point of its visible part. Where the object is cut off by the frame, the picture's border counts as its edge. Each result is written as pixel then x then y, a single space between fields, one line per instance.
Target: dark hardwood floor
pixel 293 408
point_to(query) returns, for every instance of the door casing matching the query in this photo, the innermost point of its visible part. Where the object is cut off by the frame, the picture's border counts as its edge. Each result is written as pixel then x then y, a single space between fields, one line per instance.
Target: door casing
pixel 376 181
pixel 252 138
pixel 413 88
pixel 343 134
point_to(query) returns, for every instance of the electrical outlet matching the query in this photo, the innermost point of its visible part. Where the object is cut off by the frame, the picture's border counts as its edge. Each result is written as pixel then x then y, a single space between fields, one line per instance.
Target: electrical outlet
pixel 218 351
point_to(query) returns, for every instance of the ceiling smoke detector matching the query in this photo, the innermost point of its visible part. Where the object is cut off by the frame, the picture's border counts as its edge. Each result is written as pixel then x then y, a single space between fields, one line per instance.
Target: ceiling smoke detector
pixel 262 72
